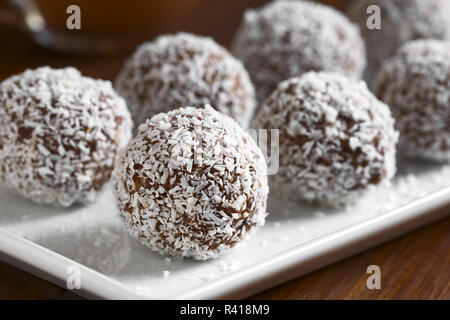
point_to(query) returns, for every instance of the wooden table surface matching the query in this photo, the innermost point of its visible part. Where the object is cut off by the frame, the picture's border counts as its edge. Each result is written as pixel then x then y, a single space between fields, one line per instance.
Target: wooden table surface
pixel 415 266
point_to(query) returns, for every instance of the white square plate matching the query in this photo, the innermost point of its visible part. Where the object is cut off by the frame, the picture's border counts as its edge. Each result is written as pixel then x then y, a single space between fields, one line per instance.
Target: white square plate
pixel 297 239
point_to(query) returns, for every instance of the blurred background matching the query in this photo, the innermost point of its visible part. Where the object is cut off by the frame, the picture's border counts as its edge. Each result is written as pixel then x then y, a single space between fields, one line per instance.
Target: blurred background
pixel 110 30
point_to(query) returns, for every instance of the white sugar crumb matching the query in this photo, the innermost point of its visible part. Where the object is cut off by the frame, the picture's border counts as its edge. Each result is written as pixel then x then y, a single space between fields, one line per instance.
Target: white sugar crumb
pixel 227 267
pixel 415 83
pixel 263 243
pixel 59 134
pixel 203 277
pixel 167 261
pixel 277 224
pixel 191 278
pixel 209 276
pixel 185 70
pixel 288 38
pixel 329 162
pixel 319 214
pixel 282 239
pixel 409 185
pixel 166 274
pixel 188 199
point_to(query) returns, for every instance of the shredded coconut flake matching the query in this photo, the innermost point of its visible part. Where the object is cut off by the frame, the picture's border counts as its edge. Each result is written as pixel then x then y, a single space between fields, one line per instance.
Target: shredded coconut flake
pixel 183 69
pixel 59 134
pixel 325 158
pixel 415 83
pixel 210 211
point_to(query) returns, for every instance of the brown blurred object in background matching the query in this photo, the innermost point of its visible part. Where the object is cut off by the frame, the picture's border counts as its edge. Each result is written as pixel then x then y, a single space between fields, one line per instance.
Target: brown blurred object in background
pixel 111 26
pixel 107 26
pixel 114 17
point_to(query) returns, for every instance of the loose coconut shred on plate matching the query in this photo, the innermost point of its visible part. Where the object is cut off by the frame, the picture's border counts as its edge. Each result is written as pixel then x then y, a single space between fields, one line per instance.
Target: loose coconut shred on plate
pixel 59 134
pixel 192 183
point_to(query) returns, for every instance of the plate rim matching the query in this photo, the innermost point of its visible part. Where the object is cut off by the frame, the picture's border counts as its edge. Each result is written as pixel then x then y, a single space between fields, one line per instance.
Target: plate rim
pixel 52 266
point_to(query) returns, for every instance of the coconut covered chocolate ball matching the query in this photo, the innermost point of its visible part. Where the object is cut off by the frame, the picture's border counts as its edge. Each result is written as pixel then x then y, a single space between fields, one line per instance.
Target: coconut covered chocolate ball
pixel 183 69
pixel 336 138
pixel 284 39
pixel 192 183
pixel 401 21
pixel 59 134
pixel 415 83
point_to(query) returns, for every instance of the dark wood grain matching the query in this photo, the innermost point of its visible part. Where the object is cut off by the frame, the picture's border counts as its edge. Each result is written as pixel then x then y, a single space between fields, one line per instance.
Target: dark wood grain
pixel 415 266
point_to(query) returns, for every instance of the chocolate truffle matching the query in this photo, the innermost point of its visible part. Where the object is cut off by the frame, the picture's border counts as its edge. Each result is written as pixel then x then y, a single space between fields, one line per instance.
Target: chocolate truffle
pixel 284 39
pixel 415 83
pixel 192 183
pixel 183 69
pixel 59 134
pixel 401 21
pixel 336 138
